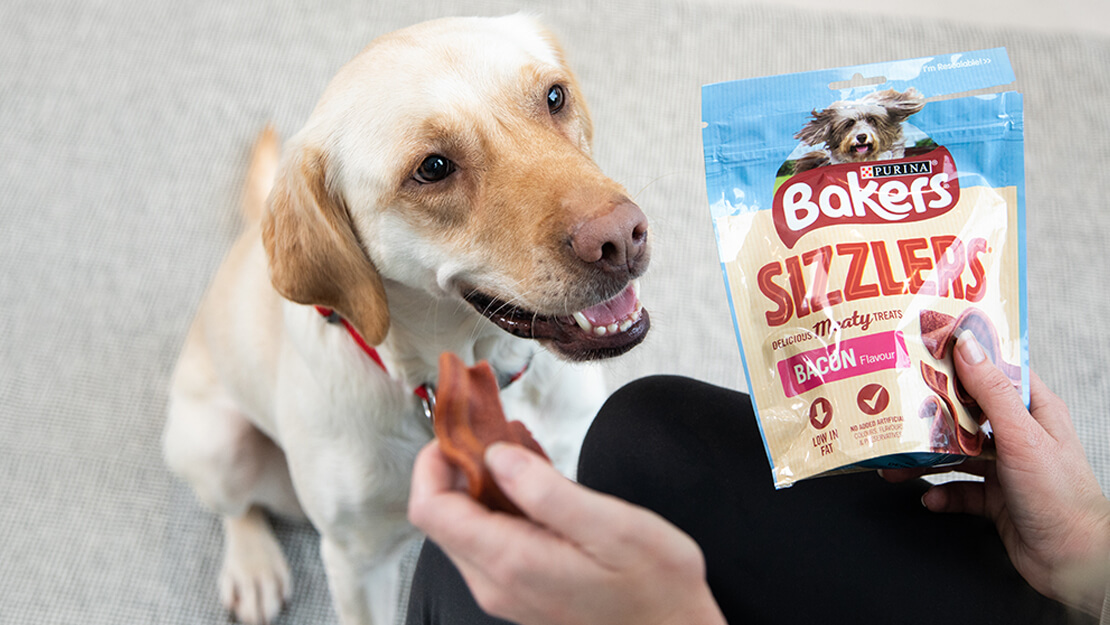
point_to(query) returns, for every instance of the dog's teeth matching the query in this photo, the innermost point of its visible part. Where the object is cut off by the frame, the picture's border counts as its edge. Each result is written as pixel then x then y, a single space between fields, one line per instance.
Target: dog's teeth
pixel 617 326
pixel 583 322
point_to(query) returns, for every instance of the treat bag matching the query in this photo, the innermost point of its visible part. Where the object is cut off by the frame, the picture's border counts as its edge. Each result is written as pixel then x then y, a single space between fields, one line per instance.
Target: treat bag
pixel 865 217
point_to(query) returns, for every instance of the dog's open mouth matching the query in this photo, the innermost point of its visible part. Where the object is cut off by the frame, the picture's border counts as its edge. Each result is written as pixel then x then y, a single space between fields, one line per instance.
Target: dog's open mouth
pixel 862 149
pixel 608 329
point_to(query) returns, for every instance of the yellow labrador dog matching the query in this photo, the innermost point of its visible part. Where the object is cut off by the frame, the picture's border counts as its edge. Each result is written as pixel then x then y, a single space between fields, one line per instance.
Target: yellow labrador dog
pixel 440 197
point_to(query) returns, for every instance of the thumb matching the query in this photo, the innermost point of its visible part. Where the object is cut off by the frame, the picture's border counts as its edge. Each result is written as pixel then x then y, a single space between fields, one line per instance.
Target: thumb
pixel 535 486
pixel 582 515
pixel 1010 420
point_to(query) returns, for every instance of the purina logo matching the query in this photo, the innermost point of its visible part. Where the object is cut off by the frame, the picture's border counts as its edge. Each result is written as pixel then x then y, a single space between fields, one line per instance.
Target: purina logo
pixel 866 193
pixel 888 170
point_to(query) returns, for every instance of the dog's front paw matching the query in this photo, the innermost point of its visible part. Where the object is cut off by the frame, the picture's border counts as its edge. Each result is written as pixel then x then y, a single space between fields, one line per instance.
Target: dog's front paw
pixel 255 581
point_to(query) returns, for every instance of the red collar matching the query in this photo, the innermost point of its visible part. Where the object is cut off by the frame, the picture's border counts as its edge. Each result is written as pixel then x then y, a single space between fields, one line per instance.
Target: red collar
pixel 424 391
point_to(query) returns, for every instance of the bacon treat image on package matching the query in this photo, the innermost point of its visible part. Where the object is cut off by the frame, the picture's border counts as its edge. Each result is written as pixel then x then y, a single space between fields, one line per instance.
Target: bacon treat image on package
pixel 866 217
pixel 468 419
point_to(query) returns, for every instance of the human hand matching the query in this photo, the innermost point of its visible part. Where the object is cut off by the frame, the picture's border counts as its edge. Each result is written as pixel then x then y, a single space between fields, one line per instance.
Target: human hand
pixel 1041 493
pixel 579 557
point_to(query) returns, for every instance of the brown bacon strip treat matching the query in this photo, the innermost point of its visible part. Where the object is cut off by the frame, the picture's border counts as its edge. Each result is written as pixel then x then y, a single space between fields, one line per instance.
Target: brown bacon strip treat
pixel 468 419
pixel 936 380
pixel 939 332
pixel 942 436
pixel 970 443
pixel 936 329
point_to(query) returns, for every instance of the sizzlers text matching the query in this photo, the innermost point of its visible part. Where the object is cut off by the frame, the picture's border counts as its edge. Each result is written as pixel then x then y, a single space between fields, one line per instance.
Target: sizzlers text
pixel 912 190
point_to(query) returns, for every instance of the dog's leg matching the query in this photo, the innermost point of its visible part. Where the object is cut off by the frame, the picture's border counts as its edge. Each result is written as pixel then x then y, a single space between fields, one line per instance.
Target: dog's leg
pixel 234 469
pixel 348 592
pixel 365 591
pixel 254 580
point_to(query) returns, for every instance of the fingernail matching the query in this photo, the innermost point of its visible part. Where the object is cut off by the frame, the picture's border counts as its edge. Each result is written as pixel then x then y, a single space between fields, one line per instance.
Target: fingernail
pixel 505 460
pixel 931 496
pixel 969 347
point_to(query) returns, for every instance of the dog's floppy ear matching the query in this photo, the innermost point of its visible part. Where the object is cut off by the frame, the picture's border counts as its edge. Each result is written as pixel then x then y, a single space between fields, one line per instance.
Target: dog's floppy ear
pixel 817 130
pixel 315 256
pixel 902 104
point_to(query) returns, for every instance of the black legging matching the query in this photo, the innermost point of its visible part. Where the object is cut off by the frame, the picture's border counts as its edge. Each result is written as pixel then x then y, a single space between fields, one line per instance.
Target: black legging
pixel 844 549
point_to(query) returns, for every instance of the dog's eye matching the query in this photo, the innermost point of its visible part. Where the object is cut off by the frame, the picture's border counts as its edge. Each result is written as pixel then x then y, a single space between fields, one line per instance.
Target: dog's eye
pixel 433 169
pixel 556 98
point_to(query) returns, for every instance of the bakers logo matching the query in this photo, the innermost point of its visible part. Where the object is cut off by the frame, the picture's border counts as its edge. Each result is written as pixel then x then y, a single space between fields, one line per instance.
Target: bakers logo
pixel 905 190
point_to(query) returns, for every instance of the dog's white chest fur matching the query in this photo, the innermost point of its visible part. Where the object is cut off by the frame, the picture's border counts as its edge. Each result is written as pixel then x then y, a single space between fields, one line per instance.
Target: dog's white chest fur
pixel 455 208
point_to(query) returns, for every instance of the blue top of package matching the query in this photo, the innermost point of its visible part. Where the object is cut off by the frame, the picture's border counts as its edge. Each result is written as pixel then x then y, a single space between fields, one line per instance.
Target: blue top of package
pixel 933 76
pixel 756 119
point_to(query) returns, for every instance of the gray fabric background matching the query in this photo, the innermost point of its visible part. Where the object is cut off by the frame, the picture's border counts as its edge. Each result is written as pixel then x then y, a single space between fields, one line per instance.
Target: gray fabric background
pixel 124 132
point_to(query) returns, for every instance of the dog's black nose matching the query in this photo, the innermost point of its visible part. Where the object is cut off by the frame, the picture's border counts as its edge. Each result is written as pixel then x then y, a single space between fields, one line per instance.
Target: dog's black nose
pixel 615 241
pixel 861 138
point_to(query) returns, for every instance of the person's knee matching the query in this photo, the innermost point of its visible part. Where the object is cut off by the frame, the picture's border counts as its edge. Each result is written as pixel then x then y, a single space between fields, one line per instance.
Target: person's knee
pixel 648 416
pixel 665 419
pixel 649 396
pixel 666 401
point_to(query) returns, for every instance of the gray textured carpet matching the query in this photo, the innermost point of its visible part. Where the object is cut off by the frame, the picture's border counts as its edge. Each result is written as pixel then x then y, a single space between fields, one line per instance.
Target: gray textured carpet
pixel 124 130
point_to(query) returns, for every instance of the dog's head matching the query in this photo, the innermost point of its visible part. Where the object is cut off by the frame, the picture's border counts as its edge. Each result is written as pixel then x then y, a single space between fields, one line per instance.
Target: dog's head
pixel 454 157
pixel 862 130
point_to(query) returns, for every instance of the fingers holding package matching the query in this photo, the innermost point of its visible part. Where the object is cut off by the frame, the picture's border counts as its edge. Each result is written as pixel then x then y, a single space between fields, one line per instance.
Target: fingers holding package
pixel 1041 492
